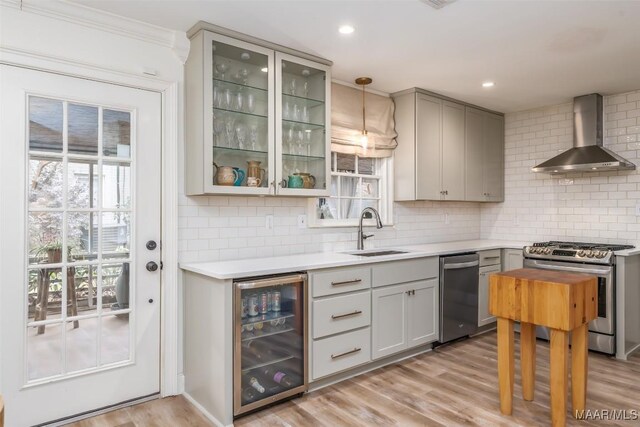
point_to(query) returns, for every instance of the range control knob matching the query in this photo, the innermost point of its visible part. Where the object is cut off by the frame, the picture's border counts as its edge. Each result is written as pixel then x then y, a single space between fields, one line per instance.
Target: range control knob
pixel 547 251
pixel 588 253
pixel 581 252
pixel 601 254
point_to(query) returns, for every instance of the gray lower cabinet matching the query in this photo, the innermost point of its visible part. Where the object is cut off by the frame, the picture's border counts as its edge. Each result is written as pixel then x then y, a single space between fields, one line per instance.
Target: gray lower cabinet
pixel 512 259
pixel 404 316
pixel 484 317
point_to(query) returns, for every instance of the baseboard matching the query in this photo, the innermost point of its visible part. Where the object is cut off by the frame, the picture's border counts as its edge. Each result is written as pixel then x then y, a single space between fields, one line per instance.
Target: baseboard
pixel 204 412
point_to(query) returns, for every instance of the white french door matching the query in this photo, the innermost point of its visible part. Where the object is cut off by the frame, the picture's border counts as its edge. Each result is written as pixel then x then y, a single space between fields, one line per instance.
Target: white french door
pixel 79 245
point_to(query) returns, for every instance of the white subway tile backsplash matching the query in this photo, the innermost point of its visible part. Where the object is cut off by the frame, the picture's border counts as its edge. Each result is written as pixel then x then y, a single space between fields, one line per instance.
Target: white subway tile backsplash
pixel 597 206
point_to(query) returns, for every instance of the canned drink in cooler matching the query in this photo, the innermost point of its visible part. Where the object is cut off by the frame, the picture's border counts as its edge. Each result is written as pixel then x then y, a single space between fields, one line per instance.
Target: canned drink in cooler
pixel 275 303
pixel 270 301
pixel 253 305
pixel 245 307
pixel 264 303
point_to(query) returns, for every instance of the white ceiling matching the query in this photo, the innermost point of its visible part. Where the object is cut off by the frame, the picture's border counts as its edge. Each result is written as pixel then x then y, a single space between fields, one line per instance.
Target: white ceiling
pixel 538 52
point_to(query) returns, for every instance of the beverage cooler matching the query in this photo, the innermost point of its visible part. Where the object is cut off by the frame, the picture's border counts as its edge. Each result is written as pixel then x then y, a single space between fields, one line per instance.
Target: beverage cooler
pixel 270 349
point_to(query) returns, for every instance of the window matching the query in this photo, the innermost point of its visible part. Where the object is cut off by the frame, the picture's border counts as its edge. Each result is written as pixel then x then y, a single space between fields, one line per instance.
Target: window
pixel 356 183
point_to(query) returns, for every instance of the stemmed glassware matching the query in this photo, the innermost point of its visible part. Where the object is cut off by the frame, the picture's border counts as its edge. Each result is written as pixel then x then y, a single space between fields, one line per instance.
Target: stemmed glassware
pixel 241 135
pixel 222 69
pixel 253 136
pixel 229 129
pixel 292 87
pixel 218 128
pixel 251 102
pixel 244 75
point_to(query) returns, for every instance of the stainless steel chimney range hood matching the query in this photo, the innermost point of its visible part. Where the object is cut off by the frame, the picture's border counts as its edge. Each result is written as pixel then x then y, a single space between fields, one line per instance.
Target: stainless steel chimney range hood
pixel 588 153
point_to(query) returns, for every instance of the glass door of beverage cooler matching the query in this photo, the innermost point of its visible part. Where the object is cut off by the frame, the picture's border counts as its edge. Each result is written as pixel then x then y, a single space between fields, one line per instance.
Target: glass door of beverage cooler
pixel 270 350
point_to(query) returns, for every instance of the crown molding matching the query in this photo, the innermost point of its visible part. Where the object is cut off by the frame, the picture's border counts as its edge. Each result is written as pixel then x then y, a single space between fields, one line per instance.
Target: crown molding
pixel 355 86
pixel 105 21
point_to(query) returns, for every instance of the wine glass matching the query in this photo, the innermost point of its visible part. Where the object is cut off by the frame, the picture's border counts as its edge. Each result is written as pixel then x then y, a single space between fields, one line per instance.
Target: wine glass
pixel 222 69
pixel 307 141
pixel 305 114
pixel 216 96
pixel 305 88
pixel 290 135
pixel 292 87
pixel 228 127
pixel 218 128
pixel 239 101
pixel 227 99
pixel 251 102
pixel 253 136
pixel 244 74
pixel 300 141
pixel 295 112
pixel 241 135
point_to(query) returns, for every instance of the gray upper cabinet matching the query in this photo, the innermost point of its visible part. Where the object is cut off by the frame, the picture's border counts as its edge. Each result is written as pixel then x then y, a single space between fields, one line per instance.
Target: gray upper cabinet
pixel 447 150
pixel 484 156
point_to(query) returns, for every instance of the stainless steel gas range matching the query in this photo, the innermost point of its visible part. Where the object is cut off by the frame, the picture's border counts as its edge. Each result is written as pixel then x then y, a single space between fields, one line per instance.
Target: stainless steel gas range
pixel 589 258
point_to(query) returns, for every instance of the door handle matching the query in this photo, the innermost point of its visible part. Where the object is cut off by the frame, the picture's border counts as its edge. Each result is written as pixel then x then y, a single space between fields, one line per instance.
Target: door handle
pixel 151 245
pixel 152 266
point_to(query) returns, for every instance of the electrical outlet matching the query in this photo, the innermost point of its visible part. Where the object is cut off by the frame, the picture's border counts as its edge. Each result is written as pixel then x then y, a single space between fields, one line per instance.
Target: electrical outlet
pixel 302 221
pixel 269 222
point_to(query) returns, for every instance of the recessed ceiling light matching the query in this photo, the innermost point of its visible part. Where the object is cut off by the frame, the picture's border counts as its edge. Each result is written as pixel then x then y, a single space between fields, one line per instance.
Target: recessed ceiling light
pixel 488 84
pixel 346 29
pixel 264 70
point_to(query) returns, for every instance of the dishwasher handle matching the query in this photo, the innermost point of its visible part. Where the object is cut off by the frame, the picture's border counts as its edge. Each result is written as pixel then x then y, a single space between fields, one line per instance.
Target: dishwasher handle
pixel 459 265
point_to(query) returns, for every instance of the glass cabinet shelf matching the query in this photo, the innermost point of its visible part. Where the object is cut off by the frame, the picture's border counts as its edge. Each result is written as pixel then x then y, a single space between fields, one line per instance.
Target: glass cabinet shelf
pixel 239 113
pixel 302 101
pixel 305 125
pixel 302 157
pixel 239 151
pixel 237 86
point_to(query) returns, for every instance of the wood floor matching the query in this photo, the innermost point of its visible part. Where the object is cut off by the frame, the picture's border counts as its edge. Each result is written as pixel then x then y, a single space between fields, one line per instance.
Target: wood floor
pixel 454 385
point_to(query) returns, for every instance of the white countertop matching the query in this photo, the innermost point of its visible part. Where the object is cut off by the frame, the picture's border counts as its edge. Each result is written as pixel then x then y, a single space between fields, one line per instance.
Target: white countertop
pixel 286 264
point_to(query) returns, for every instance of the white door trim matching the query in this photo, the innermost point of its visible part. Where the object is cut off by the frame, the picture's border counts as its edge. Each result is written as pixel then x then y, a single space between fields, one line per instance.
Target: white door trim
pixel 172 128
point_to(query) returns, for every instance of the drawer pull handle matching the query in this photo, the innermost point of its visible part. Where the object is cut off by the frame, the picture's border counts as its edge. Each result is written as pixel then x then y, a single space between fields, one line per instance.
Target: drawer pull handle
pixel 341 316
pixel 346 353
pixel 491 257
pixel 346 282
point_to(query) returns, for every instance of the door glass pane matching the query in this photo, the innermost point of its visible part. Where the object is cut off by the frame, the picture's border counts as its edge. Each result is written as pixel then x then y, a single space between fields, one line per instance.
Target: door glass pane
pixel 82 282
pixel 116 133
pixel 83 129
pixel 116 186
pixel 44 294
pixel 303 126
pixel 114 340
pixel 240 122
pixel 116 235
pixel 82 345
pixel 115 287
pixel 45 124
pixel 44 352
pixel 45 183
pixel 82 236
pixel 45 237
pixel 82 183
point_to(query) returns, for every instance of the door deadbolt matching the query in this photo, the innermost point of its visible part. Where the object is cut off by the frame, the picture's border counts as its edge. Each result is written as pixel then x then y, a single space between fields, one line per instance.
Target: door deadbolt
pixel 151 245
pixel 152 266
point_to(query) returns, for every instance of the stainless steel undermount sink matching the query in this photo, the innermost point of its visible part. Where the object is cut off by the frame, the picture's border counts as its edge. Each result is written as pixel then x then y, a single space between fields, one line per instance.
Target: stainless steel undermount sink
pixel 378 253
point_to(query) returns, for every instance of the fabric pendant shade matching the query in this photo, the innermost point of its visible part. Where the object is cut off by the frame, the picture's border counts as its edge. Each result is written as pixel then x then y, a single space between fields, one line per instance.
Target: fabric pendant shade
pixel 346 123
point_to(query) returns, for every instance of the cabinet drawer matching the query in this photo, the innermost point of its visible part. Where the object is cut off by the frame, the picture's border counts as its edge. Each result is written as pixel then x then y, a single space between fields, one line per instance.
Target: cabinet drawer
pixel 491 257
pixel 340 280
pixel 340 314
pixel 344 351
pixel 390 273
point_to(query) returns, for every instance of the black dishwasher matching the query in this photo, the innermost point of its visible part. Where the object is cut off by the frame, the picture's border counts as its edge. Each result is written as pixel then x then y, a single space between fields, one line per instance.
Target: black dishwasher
pixel 458 296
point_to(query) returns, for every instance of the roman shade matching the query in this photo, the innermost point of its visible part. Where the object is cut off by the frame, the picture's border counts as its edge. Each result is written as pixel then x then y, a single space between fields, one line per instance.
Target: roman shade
pixel 346 122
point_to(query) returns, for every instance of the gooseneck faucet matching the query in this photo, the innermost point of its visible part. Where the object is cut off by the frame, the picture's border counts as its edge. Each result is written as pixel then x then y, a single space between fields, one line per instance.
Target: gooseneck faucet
pixel 361 235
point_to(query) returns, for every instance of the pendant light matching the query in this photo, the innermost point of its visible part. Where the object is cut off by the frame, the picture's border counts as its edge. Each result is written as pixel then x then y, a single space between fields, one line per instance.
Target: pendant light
pixel 364 139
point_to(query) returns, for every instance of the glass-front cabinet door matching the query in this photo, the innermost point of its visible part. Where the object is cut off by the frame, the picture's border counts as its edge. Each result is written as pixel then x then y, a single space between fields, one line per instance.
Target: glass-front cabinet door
pixel 303 120
pixel 241 119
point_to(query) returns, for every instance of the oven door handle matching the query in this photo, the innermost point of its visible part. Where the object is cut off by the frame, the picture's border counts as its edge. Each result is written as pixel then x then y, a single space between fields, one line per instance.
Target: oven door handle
pixel 544 266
